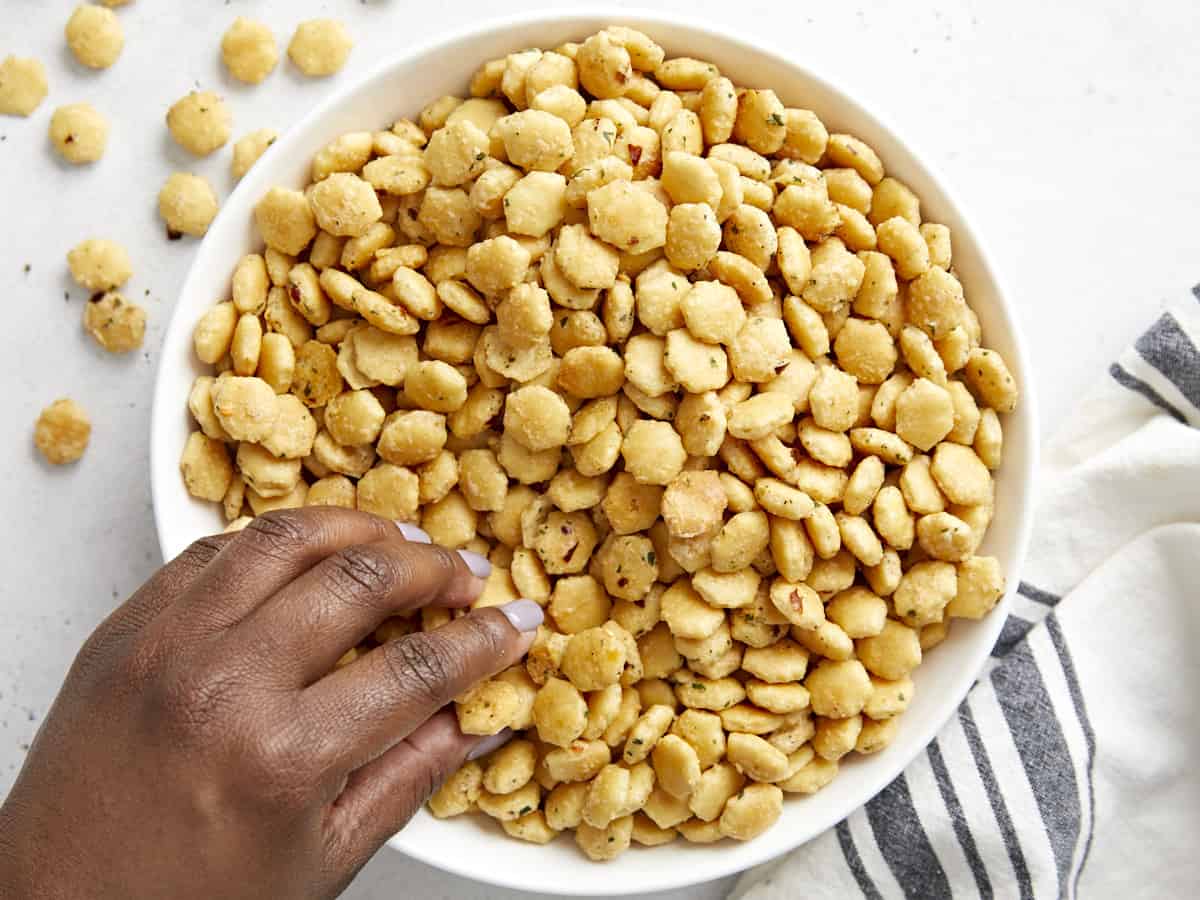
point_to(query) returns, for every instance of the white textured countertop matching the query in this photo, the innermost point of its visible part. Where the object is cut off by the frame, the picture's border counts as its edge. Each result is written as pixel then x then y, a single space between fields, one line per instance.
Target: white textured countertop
pixel 1068 132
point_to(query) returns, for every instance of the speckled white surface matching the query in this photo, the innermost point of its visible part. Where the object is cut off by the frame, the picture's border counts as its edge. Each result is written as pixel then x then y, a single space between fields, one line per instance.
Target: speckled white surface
pixel 1073 156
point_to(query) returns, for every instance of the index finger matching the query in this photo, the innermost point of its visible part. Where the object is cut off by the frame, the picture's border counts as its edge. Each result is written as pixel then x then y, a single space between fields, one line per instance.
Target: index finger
pixel 158 594
pixel 310 623
pixel 269 553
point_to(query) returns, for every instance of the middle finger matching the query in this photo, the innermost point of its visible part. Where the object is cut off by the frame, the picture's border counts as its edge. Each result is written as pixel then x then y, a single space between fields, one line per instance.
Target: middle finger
pixel 302 631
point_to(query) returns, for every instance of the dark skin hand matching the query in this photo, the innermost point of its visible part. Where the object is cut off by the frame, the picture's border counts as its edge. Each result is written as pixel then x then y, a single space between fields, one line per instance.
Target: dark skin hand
pixel 203 745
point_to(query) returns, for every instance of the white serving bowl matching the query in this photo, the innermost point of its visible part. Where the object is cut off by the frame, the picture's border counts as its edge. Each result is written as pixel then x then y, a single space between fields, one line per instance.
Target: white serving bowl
pixel 473 846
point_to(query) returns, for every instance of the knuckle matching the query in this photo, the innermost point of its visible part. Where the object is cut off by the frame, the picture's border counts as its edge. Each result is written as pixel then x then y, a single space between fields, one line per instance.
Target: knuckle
pixel 438 564
pixel 421 669
pixel 444 561
pixel 489 637
pixel 426 780
pixel 96 651
pixel 276 532
pixel 195 699
pixel 362 570
pixel 276 764
pixel 143 663
pixel 203 551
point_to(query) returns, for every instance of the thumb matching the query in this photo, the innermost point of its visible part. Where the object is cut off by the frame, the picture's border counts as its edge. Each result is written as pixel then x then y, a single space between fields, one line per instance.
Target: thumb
pixel 382 796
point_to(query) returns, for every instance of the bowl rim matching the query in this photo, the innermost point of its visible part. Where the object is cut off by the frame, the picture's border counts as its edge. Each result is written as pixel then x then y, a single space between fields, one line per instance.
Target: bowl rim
pixel 165 403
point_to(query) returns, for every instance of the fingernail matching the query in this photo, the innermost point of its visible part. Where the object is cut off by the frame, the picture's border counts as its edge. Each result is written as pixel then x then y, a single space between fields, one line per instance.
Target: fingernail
pixel 412 533
pixel 490 743
pixel 477 563
pixel 523 615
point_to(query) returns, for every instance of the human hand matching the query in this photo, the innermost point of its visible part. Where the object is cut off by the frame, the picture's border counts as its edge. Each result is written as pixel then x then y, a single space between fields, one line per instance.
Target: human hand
pixel 203 745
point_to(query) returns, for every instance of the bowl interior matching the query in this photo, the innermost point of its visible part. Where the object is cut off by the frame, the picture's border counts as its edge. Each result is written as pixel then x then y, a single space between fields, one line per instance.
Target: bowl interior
pixel 470 846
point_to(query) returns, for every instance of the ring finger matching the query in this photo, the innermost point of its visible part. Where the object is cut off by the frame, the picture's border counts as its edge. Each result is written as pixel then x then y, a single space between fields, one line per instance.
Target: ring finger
pixel 381 698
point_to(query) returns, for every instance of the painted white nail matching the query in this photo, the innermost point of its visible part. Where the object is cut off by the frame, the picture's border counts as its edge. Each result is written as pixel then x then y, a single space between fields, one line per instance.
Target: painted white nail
pixel 490 743
pixel 412 533
pixel 523 615
pixel 478 564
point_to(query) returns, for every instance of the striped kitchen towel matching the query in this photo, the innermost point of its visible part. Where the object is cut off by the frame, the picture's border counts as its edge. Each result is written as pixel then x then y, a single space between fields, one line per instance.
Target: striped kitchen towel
pixel 1073 766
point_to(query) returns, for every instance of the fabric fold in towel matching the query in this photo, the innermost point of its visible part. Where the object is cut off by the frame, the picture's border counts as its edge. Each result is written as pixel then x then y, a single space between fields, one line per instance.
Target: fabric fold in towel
pixel 1070 770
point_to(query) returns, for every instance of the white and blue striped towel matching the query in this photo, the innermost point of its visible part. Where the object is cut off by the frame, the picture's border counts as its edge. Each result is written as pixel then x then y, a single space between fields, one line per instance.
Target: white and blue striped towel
pixel 1073 767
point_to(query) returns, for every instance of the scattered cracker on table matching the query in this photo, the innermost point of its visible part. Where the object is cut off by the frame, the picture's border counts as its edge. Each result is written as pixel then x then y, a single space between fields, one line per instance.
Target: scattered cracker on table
pixel 62 432
pixel 249 50
pixel 201 122
pixel 320 47
pixel 249 148
pixel 187 204
pixel 95 36
pixel 99 264
pixel 23 85
pixel 79 133
pixel 116 324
